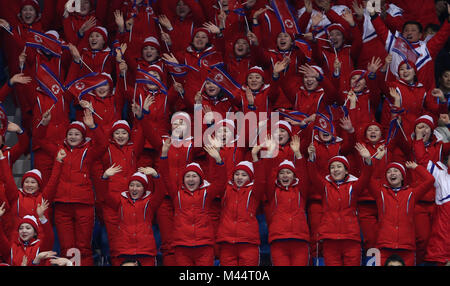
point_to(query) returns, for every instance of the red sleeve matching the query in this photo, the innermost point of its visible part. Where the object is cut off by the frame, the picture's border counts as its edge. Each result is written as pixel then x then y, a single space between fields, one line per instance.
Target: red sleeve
pixel 11 191
pixel 438 41
pixel 218 179
pixel 165 174
pixel 51 187
pixel 4 91
pixel 303 21
pixel 5 246
pixel 317 182
pixel 427 182
pixel 47 237
pixel 105 195
pixel 20 148
pixel 159 191
pixel 363 180
pixel 138 139
pixel 99 143
pixel 394 23
pixel 349 141
pixel 381 29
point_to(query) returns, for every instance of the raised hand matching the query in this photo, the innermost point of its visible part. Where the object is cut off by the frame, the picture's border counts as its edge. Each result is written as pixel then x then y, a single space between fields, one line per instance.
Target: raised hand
pixel 46 117
pixel 252 38
pixel 255 151
pixel 439 94
pixel 312 152
pixel 211 27
pixel 281 66
pixel 307 70
pixel 374 65
pixel 249 95
pixel 149 100
pixel 148 171
pixel 213 153
pixel 75 53
pixel 165 147
pixel 120 22
pixel 308 6
pixel 295 144
pixel 363 152
pixel 346 124
pixel 111 171
pixel 61 155
pixel 316 19
pixel 348 17
pixel 165 22
pixel 381 151
pixel 358 9
pixel 89 24
pixel 170 58
pixel 88 119
pixel 13 127
pixel 41 208
pixel 411 165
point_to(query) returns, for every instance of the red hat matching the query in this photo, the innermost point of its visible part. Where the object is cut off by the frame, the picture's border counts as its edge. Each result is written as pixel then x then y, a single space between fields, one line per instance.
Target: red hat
pixel 79 126
pixel 428 120
pixel 256 69
pixel 156 68
pixel 101 30
pixel 398 166
pixel 121 124
pixel 341 159
pixel 361 73
pixel 201 29
pixel 152 42
pixel 53 34
pixel 30 220
pixel 408 63
pixel 140 177
pixel 33 3
pixel 247 167
pixel 286 164
pixel 285 125
pixel 35 174
pixel 336 26
pixel 106 76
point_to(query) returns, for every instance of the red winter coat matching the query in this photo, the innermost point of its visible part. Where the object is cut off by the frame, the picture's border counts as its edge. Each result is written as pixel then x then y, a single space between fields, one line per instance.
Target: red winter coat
pixel 396 228
pixel 23 203
pixel 75 184
pixel 339 219
pixel 287 206
pixel 14 251
pixel 192 224
pixel 135 233
pixel 238 222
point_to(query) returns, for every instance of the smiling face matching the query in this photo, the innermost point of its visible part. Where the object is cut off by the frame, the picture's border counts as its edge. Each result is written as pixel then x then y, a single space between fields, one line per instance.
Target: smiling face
pixel 121 136
pixel 281 135
pixel 357 83
pixel 96 41
pixel 200 40
pixel 406 73
pixel 28 14
pixel 102 91
pixel 284 41
pixel 373 134
pixel 136 189
pixel 150 53
pixel 325 137
pixel 30 185
pixel 240 178
pixel 337 38
pixel 285 177
pixel 74 137
pixel 412 33
pixel 241 48
pixel 338 171
pixel 182 10
pixel 179 127
pixel 255 81
pixel 191 181
pixel 224 134
pixel 211 89
pixel 310 83
pixel 85 7
pixel 26 232
pixel 394 177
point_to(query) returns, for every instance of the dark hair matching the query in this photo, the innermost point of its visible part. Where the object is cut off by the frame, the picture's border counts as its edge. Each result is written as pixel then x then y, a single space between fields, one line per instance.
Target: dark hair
pixel 394 258
pixel 413 23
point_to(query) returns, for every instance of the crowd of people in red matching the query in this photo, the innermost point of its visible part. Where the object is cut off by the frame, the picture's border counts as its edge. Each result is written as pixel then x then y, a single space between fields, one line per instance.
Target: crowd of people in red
pixel 356 94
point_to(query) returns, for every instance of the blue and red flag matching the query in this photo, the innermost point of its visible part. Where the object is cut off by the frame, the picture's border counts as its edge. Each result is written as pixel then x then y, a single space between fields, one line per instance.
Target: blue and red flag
pixel 324 124
pixel 44 42
pixel 285 17
pixel 305 48
pixel 85 84
pixel 221 78
pixel 404 49
pixel 49 82
pixel 144 77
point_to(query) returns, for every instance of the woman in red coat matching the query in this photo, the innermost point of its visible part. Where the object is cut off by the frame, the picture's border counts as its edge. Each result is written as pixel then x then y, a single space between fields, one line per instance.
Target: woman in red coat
pixel 124 148
pixel 396 202
pixel 74 198
pixel 287 194
pixel 238 231
pixel 24 201
pixel 193 233
pixel 339 228
pixel 136 208
pixel 33 237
